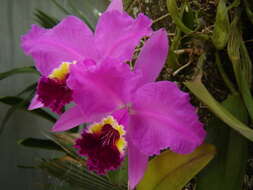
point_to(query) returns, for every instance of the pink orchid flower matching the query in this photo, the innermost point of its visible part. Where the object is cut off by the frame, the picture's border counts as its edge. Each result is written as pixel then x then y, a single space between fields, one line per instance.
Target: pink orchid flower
pixel 129 112
pixel 71 41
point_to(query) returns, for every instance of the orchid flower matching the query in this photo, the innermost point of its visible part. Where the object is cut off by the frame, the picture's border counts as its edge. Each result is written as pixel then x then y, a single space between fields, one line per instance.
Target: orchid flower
pixel 129 113
pixel 71 41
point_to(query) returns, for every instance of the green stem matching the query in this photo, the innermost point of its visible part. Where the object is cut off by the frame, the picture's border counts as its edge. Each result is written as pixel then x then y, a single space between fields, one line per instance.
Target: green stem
pixel 228 83
pixel 199 90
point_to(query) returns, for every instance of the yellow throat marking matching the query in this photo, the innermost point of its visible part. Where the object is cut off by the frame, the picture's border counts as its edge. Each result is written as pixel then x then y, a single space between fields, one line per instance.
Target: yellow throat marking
pixel 61 72
pixel 97 127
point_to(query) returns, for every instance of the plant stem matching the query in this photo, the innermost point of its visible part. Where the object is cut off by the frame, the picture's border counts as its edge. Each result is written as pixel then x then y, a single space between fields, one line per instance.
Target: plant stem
pixel 224 76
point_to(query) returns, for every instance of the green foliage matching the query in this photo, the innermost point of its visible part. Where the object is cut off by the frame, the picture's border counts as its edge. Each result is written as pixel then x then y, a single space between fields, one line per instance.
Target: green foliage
pixel 226 171
pixel 44 19
pixel 90 16
pixel 72 167
pixel 15 71
pixel 241 63
pixel 200 91
pixel 22 104
pixel 221 26
pixel 119 177
pixel 171 171
pixel 173 10
pixel 39 143
pixel 67 169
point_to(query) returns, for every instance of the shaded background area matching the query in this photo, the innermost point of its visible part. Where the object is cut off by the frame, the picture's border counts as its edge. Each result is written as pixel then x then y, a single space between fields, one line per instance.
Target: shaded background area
pixel 16 16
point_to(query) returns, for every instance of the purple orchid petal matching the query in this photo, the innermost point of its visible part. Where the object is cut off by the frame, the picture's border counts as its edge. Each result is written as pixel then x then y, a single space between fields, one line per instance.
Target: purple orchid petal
pixel 162 117
pixel 101 89
pixel 117 34
pixel 137 163
pixel 71 40
pixel 35 103
pixel 152 57
pixel 122 117
pixel 115 5
pixel 69 119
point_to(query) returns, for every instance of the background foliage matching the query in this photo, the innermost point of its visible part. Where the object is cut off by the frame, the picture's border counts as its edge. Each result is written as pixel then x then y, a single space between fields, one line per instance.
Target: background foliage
pixel 210 56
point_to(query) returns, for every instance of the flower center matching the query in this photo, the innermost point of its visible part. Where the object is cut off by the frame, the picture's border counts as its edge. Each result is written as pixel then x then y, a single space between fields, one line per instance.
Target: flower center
pixel 104 144
pixel 53 91
pixel 61 72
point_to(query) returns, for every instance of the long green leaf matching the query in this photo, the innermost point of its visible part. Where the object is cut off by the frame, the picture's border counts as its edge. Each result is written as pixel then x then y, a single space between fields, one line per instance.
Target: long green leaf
pixel 80 14
pixel 200 91
pixel 241 63
pixel 29 88
pixel 71 171
pixel 171 171
pixel 119 177
pixel 15 71
pixel 66 141
pixel 12 110
pixel 57 4
pixel 45 20
pixel 14 101
pixel 226 171
pixel 39 143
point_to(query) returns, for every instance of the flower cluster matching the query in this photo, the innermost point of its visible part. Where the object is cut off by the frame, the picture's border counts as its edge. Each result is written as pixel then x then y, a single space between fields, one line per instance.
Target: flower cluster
pixel 128 112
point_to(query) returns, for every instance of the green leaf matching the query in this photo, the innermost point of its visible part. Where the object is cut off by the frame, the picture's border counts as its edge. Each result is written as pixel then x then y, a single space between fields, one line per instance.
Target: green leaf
pixel 55 2
pixel 66 141
pixel 45 20
pixel 23 105
pixel 11 111
pixel 221 26
pixel 75 173
pixel 242 65
pixel 88 10
pixel 29 88
pixel 15 71
pixel 200 91
pixel 226 171
pixel 80 14
pixel 174 12
pixel 119 177
pixel 171 171
pixel 39 143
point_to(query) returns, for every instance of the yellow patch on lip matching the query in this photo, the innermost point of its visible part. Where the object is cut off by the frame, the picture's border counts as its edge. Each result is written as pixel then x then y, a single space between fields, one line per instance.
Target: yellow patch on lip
pixel 97 128
pixel 61 72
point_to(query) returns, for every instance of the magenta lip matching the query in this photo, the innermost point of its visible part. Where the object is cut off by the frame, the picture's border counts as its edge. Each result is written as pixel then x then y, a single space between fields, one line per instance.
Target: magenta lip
pixel 103 155
pixel 54 93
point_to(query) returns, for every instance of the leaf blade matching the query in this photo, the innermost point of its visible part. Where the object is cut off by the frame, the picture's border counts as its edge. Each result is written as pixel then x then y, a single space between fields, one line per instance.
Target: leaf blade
pixel 29 69
pixel 163 176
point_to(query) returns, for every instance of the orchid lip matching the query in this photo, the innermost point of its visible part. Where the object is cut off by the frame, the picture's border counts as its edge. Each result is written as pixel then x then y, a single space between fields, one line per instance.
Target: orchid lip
pixel 53 91
pixel 104 145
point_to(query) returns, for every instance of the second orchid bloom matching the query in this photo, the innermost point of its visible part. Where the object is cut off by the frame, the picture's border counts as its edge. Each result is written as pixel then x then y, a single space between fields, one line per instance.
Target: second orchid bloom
pixel 129 113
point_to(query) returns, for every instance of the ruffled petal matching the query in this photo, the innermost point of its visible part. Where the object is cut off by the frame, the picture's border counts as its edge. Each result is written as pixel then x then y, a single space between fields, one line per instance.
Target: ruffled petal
pixel 115 5
pixel 69 119
pixel 117 34
pixel 137 163
pixel 35 103
pixel 101 89
pixel 71 40
pixel 152 57
pixel 162 117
